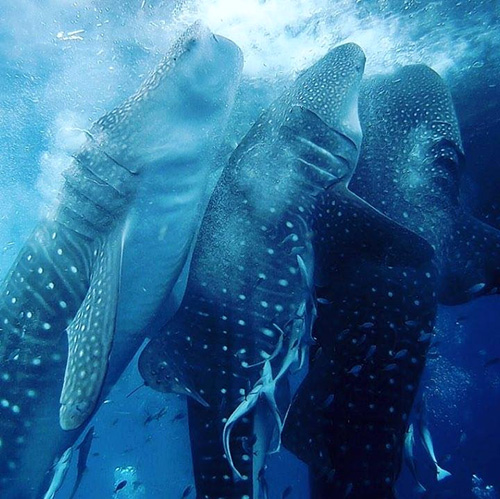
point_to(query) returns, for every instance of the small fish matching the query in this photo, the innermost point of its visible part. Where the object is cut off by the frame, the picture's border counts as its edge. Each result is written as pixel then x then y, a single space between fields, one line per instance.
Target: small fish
pixel 156 416
pixel 14 355
pixel 121 485
pixel 424 337
pixel 492 362
pixel 477 288
pixel 318 353
pixel 355 370
pixel 410 458
pixel 329 400
pixel 287 492
pixel 178 417
pixel 343 334
pixel 390 367
pixel 370 352
pixel 362 339
pixel 83 454
pixel 366 325
pixel 401 354
pixel 426 439
pixel 264 487
pixel 324 301
pixel 187 491
pixel 60 470
pixel 259 281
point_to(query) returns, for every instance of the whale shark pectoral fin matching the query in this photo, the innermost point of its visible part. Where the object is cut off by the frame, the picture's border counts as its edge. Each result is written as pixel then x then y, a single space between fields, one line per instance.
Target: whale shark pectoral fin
pixel 90 336
pixel 164 371
pixel 372 234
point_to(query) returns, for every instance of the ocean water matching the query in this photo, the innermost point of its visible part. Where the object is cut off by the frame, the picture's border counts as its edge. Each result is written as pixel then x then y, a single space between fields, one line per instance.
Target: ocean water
pixel 65 63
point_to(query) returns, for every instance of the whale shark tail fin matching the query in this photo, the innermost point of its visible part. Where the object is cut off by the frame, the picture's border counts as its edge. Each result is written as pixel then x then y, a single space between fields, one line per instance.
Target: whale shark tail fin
pixel 442 473
pixel 470 262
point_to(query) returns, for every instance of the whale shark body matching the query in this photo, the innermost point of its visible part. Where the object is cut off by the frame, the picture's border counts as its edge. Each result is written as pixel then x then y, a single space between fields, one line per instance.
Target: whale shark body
pixel 376 311
pixel 363 389
pixel 411 167
pixel 110 255
pixel 249 308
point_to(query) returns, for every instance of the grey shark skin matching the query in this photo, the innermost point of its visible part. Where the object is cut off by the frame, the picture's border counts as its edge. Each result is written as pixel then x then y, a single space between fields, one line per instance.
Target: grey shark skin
pixel 411 167
pixel 248 308
pixel 127 215
pixel 376 290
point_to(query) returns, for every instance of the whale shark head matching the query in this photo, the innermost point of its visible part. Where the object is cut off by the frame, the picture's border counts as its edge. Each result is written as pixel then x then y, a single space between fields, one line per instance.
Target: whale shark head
pixel 184 97
pixel 411 127
pixel 323 122
pixel 411 169
pixel 330 89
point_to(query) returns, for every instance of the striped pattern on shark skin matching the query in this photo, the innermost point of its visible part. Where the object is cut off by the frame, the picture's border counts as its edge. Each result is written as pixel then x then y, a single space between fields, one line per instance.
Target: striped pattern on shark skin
pixel 248 309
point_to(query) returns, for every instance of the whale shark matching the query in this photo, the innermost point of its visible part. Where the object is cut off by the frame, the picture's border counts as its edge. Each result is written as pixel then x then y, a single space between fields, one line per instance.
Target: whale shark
pixel 249 307
pixel 104 264
pixel 411 168
pixel 376 305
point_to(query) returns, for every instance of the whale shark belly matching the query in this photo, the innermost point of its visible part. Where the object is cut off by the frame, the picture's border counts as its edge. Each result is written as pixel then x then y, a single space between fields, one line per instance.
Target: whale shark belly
pixel 160 231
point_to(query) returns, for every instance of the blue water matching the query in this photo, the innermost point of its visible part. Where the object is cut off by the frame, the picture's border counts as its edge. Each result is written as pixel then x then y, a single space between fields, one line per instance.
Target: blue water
pixel 64 63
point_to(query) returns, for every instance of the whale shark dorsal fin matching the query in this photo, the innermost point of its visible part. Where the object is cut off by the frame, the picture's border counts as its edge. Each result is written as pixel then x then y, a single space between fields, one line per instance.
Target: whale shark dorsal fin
pixel 90 336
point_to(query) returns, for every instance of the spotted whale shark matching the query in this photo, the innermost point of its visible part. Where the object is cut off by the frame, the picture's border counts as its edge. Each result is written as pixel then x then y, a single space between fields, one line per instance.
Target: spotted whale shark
pixel 411 167
pixel 248 310
pixel 376 292
pixel 109 256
